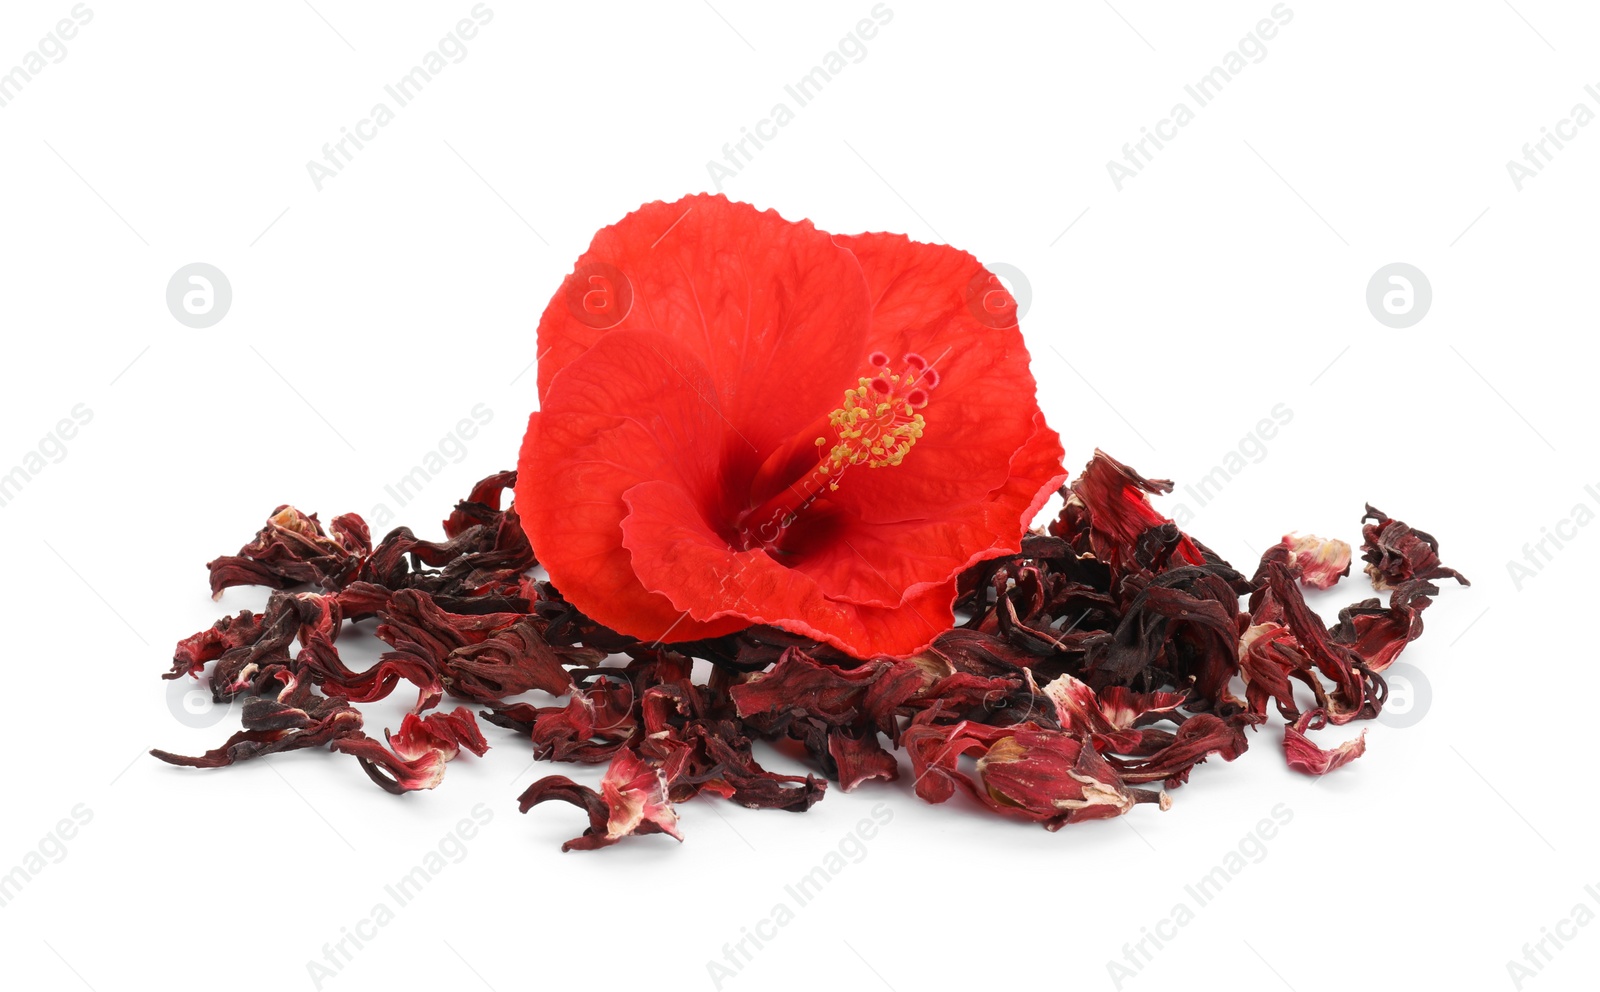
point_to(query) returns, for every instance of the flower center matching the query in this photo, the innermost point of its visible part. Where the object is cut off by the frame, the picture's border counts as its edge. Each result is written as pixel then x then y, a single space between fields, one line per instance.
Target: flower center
pixel 875 426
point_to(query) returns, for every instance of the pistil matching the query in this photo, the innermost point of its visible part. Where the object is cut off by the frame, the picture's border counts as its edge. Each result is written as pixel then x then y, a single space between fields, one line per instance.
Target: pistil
pixel 875 426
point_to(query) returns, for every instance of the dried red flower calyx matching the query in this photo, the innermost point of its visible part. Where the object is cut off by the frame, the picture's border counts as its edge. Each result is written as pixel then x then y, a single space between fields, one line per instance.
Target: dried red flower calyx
pixel 1378 633
pixel 1110 716
pixel 1395 553
pixel 1316 562
pixel 1108 515
pixel 1305 756
pixel 416 755
pixel 287 719
pixel 1023 770
pixel 1056 779
pixel 296 698
pixel 1094 665
pixel 632 800
pixel 293 549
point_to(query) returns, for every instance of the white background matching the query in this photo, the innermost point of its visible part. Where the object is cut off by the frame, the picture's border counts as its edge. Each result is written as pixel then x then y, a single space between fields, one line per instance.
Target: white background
pixel 369 317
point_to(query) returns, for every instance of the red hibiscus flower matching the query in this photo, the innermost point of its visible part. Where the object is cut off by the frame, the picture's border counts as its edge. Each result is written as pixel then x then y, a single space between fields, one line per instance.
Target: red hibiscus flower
pixel 745 420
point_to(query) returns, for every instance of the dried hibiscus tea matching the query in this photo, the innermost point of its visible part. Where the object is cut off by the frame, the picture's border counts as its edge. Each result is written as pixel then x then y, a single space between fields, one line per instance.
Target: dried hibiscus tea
pixel 807 471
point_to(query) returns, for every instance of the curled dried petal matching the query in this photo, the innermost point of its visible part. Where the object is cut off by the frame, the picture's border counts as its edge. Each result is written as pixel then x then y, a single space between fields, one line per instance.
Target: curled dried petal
pixel 1306 757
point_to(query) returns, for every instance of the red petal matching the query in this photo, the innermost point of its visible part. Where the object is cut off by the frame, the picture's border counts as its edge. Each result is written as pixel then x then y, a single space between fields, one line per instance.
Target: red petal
pixel 1304 756
pixel 860 759
pixel 676 553
pixel 634 408
pixel 774 310
pixel 1395 552
pixel 1080 710
pixel 883 563
pixel 636 794
pixel 1116 501
pixel 984 403
pixel 1318 563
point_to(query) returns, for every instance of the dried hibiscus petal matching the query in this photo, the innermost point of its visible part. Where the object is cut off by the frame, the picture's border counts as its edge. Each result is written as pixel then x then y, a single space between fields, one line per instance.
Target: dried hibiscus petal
pixel 860 759
pixel 632 800
pixel 510 662
pixel 417 753
pixel 1056 779
pixel 295 718
pixel 1395 553
pixel 1305 756
pixel 1316 562
pixel 1379 633
pixel 1170 757
pixel 589 728
pixel 208 645
pixel 1080 710
pixel 1108 511
pixel 292 549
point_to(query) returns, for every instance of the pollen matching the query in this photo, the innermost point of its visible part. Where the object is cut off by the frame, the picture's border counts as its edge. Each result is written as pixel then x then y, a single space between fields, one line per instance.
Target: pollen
pixel 878 423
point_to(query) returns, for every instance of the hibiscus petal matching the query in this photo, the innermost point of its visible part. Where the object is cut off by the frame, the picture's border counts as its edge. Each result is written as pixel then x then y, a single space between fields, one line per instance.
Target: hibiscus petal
pixel 774 310
pixel 883 563
pixel 1110 506
pixel 1318 563
pixel 634 407
pixel 1306 757
pixel 860 759
pixel 921 306
pixel 1396 553
pixel 677 554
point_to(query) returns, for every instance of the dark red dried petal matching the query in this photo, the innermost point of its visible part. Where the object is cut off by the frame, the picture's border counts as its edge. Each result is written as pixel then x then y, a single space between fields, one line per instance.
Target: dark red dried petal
pixel 1317 563
pixel 1056 779
pixel 208 645
pixel 632 801
pixel 860 759
pixel 1378 633
pixel 1133 627
pixel 293 549
pixel 1395 553
pixel 1308 758
pixel 1108 511
pixel 292 720
pixel 1169 758
pixel 512 662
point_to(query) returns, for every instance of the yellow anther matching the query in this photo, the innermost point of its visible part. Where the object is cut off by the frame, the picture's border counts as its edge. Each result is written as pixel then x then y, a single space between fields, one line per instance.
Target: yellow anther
pixel 874 430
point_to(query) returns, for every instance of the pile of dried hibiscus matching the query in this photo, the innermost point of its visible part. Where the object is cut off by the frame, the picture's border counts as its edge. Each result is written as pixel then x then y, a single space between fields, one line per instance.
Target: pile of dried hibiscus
pixel 811 461
pixel 1098 660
